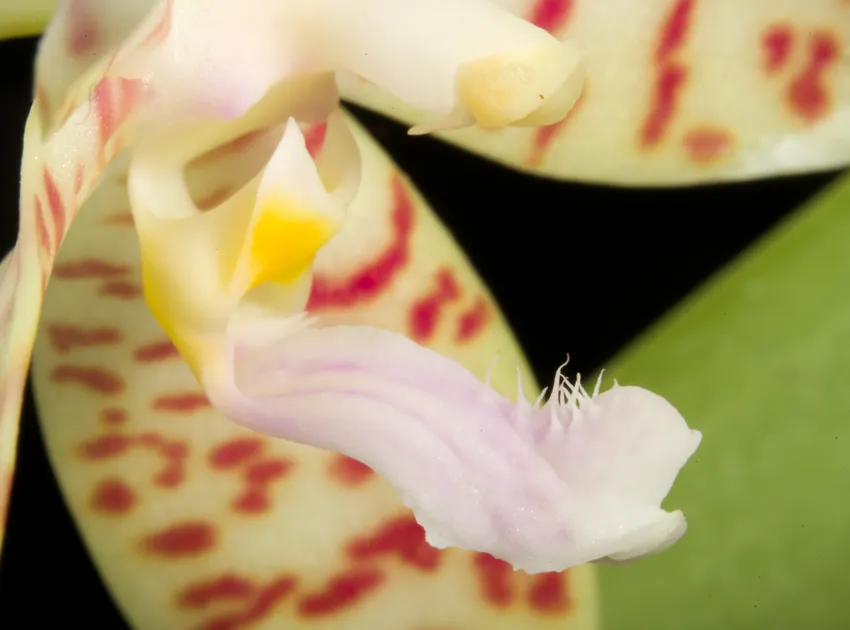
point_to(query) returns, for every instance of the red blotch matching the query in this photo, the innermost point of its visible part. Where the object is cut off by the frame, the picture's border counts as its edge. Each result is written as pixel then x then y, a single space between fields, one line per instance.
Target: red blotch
pixel 549 593
pixel 66 337
pixel 807 94
pixel 82 30
pixel 171 476
pixel 350 472
pixel 252 501
pixel 545 136
pixel 495 578
pixel 234 453
pixel 258 477
pixel 675 29
pixel 341 592
pixel 173 453
pixel 705 146
pixel 402 537
pixel 668 86
pixel 113 496
pixel 374 277
pixel 425 312
pixel 105 446
pixel 472 321
pixel 121 289
pixel 113 416
pixel 262 604
pixel 776 44
pixel 156 351
pixel 184 402
pixel 182 540
pixel 551 15
pixel 90 268
pixel 264 472
pixel 96 379
pixel 227 587
pixel 315 138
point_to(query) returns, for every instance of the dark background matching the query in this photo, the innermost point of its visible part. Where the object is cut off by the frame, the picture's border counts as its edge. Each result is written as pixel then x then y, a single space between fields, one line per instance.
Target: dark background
pixel 608 263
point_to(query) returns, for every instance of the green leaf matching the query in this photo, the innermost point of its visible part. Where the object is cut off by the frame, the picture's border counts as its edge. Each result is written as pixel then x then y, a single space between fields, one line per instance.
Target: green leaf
pixel 759 361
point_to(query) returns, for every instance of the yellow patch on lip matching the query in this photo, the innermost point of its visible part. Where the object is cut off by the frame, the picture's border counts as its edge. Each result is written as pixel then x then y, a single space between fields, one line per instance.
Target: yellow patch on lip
pixel 284 240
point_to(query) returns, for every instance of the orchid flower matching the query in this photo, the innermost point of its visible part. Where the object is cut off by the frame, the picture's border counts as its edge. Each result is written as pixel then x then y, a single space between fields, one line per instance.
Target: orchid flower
pixel 243 161
pixel 227 272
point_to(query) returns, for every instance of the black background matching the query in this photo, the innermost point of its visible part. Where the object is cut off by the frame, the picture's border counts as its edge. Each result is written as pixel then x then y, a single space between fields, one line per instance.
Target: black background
pixel 607 263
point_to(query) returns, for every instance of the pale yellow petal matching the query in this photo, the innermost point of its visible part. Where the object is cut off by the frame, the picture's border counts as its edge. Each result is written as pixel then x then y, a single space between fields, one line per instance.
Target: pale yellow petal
pixel 680 92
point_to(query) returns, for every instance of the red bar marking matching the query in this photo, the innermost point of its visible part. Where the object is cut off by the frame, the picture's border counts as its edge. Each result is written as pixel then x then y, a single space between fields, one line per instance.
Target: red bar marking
pixel 472 321
pixel 549 593
pixel 96 379
pixel 551 15
pixel 82 32
pixel 236 452
pixel 105 446
pixel 57 208
pixel 670 76
pixel 708 145
pixel 41 227
pixel 225 588
pixel 675 30
pixel 265 472
pixel 777 42
pixel 425 312
pixel 181 540
pixel 341 592
pixel 807 94
pixel 252 501
pixel 496 579
pixel 66 337
pixel 172 452
pixel 120 289
pixel 669 84
pixel 113 496
pixel 90 268
pixel 376 276
pixel 402 537
pixel 256 499
pixel 269 597
pixel 350 472
pixel 156 351
pixel 183 402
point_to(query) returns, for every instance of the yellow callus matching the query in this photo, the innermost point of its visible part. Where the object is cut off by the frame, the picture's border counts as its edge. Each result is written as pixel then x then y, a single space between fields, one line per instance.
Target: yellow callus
pixel 283 241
